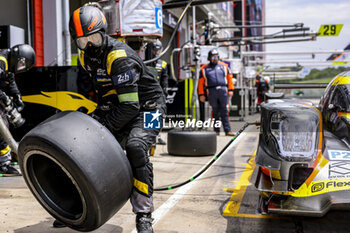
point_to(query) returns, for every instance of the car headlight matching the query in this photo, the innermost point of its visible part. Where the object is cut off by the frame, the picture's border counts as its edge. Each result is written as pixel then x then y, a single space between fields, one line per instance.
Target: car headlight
pixel 295 135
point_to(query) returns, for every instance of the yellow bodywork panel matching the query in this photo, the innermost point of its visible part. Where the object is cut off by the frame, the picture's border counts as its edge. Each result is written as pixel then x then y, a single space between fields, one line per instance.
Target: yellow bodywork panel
pixel 341 80
pixel 344 114
pixel 61 100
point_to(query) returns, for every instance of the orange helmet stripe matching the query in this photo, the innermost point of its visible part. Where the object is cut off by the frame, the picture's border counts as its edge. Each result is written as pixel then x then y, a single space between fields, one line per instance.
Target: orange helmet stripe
pixel 103 19
pixel 77 23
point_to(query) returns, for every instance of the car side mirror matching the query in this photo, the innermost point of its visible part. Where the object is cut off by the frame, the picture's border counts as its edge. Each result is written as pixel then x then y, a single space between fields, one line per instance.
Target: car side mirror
pixel 331 107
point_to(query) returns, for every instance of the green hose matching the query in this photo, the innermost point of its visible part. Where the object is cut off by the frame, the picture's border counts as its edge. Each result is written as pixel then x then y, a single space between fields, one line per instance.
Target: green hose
pixel 212 161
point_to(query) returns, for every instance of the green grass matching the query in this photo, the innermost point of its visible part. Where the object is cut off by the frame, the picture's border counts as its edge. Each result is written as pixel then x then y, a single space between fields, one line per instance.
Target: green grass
pixel 324 80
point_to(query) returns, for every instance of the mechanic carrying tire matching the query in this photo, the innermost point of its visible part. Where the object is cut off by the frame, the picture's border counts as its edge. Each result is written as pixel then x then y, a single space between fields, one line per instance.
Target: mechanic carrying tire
pixel 127 93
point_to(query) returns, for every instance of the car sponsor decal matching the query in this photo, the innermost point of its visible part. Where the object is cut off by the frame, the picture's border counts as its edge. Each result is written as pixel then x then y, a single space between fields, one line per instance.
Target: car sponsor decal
pixel 339 169
pixel 317 187
pixel 321 187
pixel 338 155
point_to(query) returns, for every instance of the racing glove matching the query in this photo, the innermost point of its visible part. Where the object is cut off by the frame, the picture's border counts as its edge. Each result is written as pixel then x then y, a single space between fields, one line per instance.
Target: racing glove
pixel 99 113
pixel 17 100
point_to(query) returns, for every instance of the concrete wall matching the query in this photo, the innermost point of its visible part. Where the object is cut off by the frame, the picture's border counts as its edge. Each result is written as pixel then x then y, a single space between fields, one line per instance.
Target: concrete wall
pixel 14 12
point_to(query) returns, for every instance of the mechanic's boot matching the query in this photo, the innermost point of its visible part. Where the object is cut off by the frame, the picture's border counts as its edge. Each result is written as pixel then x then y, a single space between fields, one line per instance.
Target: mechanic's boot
pixel 144 223
pixel 161 141
pixel 7 169
pixel 229 134
pixel 58 224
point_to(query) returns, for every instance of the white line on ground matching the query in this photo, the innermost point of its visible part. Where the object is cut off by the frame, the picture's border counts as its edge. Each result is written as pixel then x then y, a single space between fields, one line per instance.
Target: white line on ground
pixel 159 213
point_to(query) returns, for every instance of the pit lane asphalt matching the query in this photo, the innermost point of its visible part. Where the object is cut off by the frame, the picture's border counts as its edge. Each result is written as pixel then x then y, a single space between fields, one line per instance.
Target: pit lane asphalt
pixel 223 199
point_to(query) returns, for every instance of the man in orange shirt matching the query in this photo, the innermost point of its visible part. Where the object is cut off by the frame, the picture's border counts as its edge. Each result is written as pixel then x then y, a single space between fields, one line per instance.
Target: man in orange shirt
pixel 215 81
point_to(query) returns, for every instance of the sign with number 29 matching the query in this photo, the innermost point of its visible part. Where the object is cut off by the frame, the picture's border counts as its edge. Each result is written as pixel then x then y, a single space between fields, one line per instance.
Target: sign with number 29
pixel 330 29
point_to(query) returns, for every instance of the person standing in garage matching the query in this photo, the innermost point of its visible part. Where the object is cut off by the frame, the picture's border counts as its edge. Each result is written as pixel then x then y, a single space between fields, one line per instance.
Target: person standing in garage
pixel 18 59
pixel 126 92
pixel 262 87
pixel 215 81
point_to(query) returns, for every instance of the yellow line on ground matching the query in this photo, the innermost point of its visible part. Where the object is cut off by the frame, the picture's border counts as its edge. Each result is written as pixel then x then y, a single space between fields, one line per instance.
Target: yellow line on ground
pixel 230 189
pixel 234 203
pixel 260 216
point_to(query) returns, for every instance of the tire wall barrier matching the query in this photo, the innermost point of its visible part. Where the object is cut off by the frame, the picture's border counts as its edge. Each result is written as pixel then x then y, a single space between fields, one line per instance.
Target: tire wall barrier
pixel 76 169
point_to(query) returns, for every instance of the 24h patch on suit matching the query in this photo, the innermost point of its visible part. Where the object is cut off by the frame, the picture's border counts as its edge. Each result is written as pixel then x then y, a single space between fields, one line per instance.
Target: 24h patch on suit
pixel 122 78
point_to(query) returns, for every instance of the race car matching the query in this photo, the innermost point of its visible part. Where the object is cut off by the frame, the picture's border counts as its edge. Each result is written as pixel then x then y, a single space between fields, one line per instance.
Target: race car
pixel 303 155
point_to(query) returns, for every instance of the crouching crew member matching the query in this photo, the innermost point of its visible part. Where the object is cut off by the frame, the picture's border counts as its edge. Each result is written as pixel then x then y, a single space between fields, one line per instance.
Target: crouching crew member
pixel 18 59
pixel 126 90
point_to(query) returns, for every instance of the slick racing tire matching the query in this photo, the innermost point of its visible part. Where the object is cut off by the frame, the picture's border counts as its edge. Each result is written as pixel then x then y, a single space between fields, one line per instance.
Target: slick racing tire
pixel 76 170
pixel 191 143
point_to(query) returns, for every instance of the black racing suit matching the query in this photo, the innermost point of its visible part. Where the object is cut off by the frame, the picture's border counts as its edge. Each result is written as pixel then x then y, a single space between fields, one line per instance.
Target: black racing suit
pixel 126 90
pixel 162 70
pixel 8 87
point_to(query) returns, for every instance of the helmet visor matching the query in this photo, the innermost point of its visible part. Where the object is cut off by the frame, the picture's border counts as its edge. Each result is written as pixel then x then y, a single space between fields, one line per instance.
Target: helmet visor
pixel 21 64
pixel 95 39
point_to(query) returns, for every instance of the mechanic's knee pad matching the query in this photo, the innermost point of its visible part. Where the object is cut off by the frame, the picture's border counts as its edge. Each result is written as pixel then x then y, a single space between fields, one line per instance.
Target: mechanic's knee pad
pixel 137 150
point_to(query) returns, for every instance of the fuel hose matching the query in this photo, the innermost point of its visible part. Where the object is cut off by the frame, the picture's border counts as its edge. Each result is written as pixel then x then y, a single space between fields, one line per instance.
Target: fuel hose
pixel 211 162
pixel 173 35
